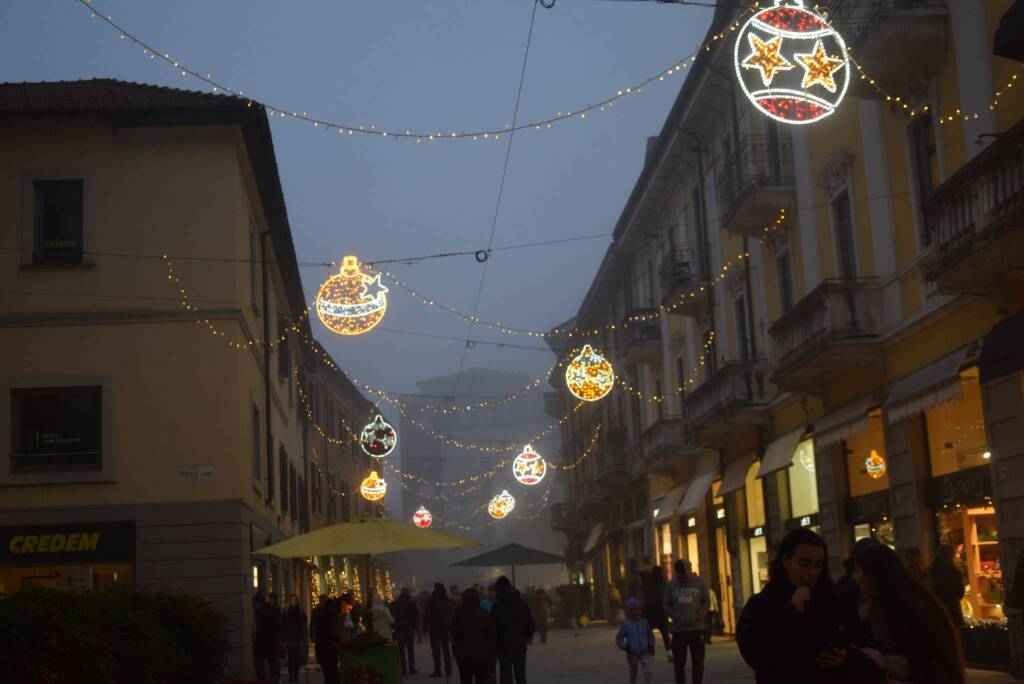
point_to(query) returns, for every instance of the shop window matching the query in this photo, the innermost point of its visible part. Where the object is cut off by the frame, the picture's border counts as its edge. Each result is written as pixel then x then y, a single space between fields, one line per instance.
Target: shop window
pixel 759 563
pixel 665 541
pixel 956 430
pixel 58 226
pixel 754 497
pixel 881 532
pixel 56 429
pixel 803 485
pixel 974 536
pixel 693 551
pixel 867 465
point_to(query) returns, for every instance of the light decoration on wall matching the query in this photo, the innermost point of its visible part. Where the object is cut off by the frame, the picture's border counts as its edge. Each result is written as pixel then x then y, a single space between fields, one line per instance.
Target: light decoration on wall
pixel 875 465
pixel 351 302
pixel 529 467
pixel 501 505
pixel 590 376
pixel 791 64
pixel 422 518
pixel 805 454
pixel 378 438
pixel 373 488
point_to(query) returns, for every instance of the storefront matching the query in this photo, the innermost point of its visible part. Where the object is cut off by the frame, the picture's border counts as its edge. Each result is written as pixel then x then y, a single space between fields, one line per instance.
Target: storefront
pixel 664 514
pixel 756 529
pixel 693 504
pixel 88 555
pixel 722 578
pixel 867 476
pixel 791 456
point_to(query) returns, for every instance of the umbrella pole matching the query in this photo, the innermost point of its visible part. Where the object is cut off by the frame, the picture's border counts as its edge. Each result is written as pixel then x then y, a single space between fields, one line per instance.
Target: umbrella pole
pixel 369 595
pixel 514 577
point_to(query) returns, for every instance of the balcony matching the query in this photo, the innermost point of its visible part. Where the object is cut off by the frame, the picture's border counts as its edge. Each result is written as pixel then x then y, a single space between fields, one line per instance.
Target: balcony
pixel 593 499
pixel 894 40
pixel 682 275
pixel 613 458
pixel 755 184
pixel 565 518
pixel 554 404
pixel 734 399
pixel 975 219
pixel 639 336
pixel 664 446
pixel 835 328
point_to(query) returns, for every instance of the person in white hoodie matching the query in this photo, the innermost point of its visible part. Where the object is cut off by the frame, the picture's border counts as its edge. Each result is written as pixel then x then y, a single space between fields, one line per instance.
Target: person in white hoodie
pixel 686 603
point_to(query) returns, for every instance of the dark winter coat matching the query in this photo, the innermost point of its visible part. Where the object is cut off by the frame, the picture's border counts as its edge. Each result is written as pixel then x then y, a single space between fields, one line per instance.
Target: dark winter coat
pixel 407 616
pixel 294 627
pixel 437 616
pixel 654 600
pixel 328 624
pixel 473 636
pixel 948 585
pixel 513 623
pixel 267 633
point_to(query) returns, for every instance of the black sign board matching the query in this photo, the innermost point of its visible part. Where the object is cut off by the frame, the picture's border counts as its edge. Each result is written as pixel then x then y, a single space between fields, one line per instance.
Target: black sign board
pixel 967 487
pixel 869 508
pixel 755 532
pixel 812 520
pixel 718 518
pixel 85 542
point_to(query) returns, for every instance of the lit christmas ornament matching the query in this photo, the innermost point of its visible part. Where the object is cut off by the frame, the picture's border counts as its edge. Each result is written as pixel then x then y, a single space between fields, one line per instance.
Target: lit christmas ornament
pixel 805 452
pixel 791 64
pixel 589 377
pixel 373 487
pixel 378 438
pixel 875 465
pixel 351 302
pixel 422 518
pixel 529 467
pixel 501 505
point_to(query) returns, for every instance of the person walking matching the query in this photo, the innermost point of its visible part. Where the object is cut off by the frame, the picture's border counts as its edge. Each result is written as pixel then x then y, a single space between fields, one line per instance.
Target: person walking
pixel 422 598
pixel 686 605
pixel 266 647
pixel 407 618
pixel 487 600
pixel 612 604
pixel 295 634
pixel 948 583
pixel 636 638
pixel 654 606
pixel 572 606
pixel 513 627
pixel 328 638
pixel 473 640
pixel 437 622
pixel 542 612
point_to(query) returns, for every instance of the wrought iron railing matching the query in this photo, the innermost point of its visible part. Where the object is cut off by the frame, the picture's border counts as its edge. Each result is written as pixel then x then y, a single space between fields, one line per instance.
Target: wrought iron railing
pixel 759 162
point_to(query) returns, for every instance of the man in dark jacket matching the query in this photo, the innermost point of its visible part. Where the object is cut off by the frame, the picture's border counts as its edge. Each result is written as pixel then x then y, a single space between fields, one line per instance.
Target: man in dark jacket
pixel 437 622
pixel 473 640
pixel 407 618
pixel 266 645
pixel 514 627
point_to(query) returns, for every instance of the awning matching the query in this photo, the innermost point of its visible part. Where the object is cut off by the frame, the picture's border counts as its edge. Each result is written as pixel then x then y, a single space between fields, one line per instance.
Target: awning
pixel 696 491
pixel 595 536
pixel 667 506
pixel 735 475
pixel 779 454
pixel 934 384
pixel 846 422
pixel 636 525
pixel 1001 350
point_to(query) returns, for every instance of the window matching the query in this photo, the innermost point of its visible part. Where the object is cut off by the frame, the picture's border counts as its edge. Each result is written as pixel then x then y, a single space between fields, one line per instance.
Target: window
pixel 803 484
pixel 293 491
pixel 785 275
pixel 257 450
pixel 846 245
pixel 283 465
pixel 57 229
pixel 314 474
pixel 254 266
pixel 866 460
pixel 925 161
pixel 284 358
pixel 270 473
pixel 742 342
pixel 56 429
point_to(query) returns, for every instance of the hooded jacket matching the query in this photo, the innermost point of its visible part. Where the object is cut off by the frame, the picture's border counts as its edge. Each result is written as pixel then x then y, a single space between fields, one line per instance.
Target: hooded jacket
pixel 687 602
pixel 635 635
pixel 473 634
pixel 513 622
pixel 437 616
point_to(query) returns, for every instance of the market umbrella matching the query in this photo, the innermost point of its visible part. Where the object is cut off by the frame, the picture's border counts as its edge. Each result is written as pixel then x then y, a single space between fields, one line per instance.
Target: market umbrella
pixel 511 555
pixel 364 537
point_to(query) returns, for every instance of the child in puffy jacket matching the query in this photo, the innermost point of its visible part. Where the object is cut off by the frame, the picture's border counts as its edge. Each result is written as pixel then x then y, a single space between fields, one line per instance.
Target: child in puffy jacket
pixel 636 638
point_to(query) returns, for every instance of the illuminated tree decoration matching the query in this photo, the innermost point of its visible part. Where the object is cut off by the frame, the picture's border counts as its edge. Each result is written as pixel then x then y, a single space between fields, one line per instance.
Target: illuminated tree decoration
pixel 351 302
pixel 529 467
pixel 373 487
pixel 875 465
pixel 791 64
pixel 501 505
pixel 422 518
pixel 378 438
pixel 590 376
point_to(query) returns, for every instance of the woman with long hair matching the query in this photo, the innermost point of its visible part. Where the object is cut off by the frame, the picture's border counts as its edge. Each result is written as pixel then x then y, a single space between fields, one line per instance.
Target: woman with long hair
pixel 914 637
pixel 654 605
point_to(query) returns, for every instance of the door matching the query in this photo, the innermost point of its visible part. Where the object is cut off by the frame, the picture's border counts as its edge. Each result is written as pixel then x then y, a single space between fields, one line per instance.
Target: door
pixel 845 243
pixel 725 593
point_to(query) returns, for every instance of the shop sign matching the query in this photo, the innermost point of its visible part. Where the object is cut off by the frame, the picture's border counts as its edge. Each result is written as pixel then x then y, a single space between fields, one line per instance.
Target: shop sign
pixel 755 532
pixel 869 508
pixel 720 515
pixel 195 472
pixel 691 523
pixel 72 543
pixel 965 487
pixel 803 521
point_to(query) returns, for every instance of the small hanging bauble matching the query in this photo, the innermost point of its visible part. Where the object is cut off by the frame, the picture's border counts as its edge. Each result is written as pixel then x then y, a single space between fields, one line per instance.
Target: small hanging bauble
pixel 529 467
pixel 875 465
pixel 791 64
pixel 373 487
pixel 590 376
pixel 351 302
pixel 501 505
pixel 422 518
pixel 378 438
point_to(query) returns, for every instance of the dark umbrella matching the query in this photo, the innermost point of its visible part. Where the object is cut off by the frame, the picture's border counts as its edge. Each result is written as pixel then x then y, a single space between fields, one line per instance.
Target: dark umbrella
pixel 511 555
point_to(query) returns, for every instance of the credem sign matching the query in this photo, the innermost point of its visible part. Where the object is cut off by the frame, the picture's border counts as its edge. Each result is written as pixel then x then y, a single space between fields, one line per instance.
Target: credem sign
pixel 71 543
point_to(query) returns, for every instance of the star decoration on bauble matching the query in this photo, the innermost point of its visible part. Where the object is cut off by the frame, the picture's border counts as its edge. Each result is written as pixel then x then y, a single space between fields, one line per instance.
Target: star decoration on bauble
pixel 373 288
pixel 819 67
pixel 766 57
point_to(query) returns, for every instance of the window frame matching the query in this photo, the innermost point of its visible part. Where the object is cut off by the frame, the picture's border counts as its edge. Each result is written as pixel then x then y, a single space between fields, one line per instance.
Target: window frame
pixel 28 230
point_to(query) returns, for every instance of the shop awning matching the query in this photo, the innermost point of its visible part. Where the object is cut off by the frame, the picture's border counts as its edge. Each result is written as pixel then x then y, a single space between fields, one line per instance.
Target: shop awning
pixel 780 452
pixel 846 422
pixel 696 491
pixel 735 475
pixel 934 384
pixel 667 506
pixel 595 536
pixel 636 525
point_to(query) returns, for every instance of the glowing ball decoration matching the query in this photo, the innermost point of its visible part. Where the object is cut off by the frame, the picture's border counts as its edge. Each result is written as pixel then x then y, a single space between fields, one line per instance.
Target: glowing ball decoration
pixel 875 466
pixel 501 505
pixel 529 467
pixel 590 376
pixel 373 487
pixel 351 302
pixel 791 64
pixel 378 439
pixel 422 518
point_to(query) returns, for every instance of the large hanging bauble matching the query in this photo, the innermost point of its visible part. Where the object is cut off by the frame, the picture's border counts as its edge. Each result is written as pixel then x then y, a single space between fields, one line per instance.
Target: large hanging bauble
pixel 422 518
pixel 373 487
pixel 590 376
pixel 529 467
pixel 875 465
pixel 378 438
pixel 351 302
pixel 501 505
pixel 791 64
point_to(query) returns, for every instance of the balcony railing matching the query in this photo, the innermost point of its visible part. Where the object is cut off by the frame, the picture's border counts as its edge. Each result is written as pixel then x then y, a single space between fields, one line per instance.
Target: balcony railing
pixel 755 184
pixel 663 444
pixel 613 456
pixel 565 518
pixel 974 219
pixel 681 274
pixel 639 335
pixel 712 408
